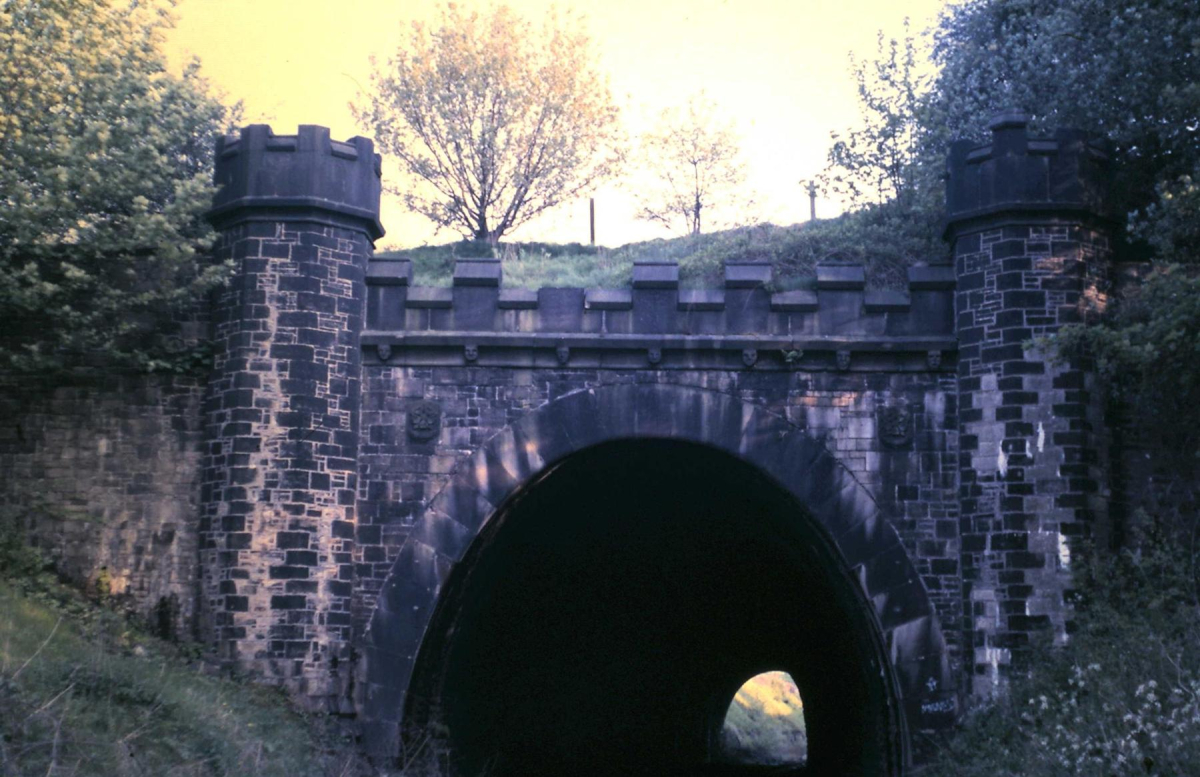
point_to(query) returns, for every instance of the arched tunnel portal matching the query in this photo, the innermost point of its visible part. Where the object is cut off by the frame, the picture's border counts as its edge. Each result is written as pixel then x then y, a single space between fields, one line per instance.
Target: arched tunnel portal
pixel 600 617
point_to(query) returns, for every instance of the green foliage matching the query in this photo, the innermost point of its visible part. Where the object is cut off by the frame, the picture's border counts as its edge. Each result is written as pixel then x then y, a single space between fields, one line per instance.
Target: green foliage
pixel 105 172
pixel 1129 70
pixel 876 161
pixel 1123 698
pixel 1148 353
pixel 493 122
pixel 877 166
pixel 697 173
pixel 765 723
pixel 18 560
pixel 884 239
pixel 1171 224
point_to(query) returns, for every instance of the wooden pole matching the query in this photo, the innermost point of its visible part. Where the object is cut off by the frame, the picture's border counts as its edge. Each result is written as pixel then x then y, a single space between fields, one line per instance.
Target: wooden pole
pixel 592 217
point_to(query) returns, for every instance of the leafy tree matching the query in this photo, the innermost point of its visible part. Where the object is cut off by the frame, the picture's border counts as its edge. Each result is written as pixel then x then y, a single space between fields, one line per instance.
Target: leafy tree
pixel 105 172
pixel 1122 698
pixel 878 167
pixel 496 122
pixel 697 168
pixel 1129 70
pixel 876 161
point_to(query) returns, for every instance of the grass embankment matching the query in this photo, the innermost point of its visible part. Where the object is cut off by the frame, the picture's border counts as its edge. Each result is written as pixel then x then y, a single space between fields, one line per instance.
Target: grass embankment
pixel 82 692
pixel 883 240
pixel 765 723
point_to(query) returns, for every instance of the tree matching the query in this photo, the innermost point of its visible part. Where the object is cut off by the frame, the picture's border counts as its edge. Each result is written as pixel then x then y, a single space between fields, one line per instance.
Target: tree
pixel 1121 698
pixel 495 122
pixel 875 162
pixel 697 168
pixel 878 168
pixel 1129 70
pixel 105 173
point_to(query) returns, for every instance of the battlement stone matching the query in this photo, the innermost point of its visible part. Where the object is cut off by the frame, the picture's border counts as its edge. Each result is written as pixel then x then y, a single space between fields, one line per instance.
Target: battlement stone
pixel 1016 175
pixel 262 176
pixel 834 312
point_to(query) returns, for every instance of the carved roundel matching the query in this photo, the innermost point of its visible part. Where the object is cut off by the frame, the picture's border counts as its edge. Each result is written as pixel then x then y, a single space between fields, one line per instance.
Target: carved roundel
pixel 895 426
pixel 424 421
pixel 749 356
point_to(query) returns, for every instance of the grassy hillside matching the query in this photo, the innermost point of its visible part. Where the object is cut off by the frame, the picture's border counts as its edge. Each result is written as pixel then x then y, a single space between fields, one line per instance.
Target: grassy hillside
pixel 83 693
pixel 883 240
pixel 765 722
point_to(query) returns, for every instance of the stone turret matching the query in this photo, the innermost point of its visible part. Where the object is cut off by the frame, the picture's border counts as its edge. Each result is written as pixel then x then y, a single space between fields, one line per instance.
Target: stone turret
pixel 1028 224
pixel 298 215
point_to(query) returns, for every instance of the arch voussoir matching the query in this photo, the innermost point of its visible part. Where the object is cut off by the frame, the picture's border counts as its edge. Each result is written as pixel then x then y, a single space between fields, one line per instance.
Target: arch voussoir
pixel 445 535
pixel 796 460
pixel 557 429
pixel 463 502
pixel 901 603
pixel 864 539
pixel 491 472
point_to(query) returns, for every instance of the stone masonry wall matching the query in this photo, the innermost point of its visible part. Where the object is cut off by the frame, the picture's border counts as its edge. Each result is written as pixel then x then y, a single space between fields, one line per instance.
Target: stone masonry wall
pixel 280 469
pixel 913 479
pixel 1031 452
pixel 106 477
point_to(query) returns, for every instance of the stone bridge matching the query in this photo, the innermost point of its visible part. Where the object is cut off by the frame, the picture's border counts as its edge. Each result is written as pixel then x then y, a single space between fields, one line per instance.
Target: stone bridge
pixel 567 522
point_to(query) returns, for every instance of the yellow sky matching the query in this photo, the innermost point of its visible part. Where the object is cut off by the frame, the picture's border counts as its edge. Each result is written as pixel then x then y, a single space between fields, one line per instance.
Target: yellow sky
pixel 779 68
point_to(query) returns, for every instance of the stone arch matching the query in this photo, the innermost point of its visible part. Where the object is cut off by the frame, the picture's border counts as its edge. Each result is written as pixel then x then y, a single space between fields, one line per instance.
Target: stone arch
pixel 911 646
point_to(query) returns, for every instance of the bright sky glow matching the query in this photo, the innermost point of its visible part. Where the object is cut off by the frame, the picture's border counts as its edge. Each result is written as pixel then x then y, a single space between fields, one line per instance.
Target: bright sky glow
pixel 779 68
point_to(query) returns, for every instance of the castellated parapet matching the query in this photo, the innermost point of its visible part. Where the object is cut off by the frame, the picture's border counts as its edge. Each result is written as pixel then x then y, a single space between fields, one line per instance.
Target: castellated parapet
pixel 656 324
pixel 306 177
pixel 1019 176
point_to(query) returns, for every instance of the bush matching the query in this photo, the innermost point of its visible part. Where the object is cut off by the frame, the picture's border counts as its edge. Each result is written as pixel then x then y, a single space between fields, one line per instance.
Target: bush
pixel 1123 697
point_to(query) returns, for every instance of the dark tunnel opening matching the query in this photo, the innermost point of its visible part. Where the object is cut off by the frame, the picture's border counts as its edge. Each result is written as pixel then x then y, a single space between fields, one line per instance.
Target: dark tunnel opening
pixel 607 614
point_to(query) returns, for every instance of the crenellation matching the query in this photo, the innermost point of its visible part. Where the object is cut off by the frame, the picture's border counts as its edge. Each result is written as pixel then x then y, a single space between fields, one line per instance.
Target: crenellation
pixel 655 305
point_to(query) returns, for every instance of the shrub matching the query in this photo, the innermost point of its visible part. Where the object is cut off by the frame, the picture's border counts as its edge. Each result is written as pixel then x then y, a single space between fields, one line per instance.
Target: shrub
pixel 1123 697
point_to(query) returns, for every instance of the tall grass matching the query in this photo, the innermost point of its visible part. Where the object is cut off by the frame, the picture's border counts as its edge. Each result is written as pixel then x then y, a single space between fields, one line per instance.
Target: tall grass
pixel 82 692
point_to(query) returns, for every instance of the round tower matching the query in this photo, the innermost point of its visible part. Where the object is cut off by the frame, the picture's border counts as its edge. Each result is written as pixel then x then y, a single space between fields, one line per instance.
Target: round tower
pixel 1031 236
pixel 298 216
